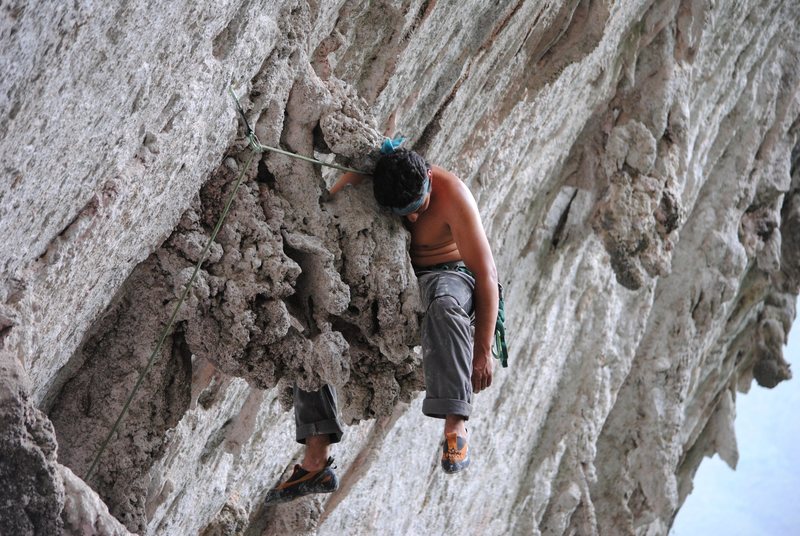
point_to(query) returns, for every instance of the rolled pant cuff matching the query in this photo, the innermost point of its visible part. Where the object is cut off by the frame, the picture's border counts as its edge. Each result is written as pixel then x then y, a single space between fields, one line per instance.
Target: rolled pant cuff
pixel 441 407
pixel 330 427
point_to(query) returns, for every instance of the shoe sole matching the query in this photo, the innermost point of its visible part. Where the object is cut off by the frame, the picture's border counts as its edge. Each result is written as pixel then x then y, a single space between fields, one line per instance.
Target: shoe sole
pixel 452 469
pixel 300 491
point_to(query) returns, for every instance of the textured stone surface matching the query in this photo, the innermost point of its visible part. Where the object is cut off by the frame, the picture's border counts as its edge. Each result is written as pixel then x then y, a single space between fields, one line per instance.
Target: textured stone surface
pixel 84 512
pixel 634 167
pixel 31 488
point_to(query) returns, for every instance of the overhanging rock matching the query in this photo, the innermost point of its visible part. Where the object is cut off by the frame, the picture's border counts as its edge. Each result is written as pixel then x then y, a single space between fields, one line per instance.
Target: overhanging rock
pixel 633 163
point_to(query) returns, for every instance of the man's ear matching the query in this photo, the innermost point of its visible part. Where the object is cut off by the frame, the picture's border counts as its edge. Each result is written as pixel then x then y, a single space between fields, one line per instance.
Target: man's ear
pixel 430 173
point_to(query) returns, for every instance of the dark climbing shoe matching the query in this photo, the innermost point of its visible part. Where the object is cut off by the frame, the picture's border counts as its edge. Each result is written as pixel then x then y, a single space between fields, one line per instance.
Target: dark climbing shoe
pixel 304 482
pixel 455 453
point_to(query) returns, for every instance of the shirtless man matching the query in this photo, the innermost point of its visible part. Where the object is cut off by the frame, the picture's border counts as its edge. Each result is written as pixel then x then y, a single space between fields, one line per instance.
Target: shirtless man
pixel 457 278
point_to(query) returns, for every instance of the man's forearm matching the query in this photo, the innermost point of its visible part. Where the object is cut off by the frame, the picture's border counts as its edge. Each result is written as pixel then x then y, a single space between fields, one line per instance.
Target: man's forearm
pixel 486 300
pixel 347 179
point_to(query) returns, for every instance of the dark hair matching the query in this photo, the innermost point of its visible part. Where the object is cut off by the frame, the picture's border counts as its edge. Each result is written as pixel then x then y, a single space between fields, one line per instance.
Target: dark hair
pixel 398 178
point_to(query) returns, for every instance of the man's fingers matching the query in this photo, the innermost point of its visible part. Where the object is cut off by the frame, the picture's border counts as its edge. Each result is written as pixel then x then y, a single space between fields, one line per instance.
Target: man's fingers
pixel 477 383
pixel 480 382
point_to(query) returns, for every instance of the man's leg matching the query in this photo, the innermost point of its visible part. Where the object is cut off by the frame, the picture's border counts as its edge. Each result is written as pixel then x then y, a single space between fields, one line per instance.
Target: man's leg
pixel 317 427
pixel 317 424
pixel 316 454
pixel 447 359
pixel 455 423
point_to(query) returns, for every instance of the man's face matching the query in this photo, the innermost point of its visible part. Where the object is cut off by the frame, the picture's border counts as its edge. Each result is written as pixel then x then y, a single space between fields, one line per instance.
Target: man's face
pixel 414 215
pixel 422 203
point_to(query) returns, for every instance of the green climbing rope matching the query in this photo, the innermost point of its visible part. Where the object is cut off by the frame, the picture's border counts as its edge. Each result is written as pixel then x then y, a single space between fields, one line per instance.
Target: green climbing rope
pixel 167 329
pixel 256 148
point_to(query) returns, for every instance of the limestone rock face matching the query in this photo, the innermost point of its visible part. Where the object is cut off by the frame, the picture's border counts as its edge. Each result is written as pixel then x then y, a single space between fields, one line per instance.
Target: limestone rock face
pixel 33 490
pixel 638 174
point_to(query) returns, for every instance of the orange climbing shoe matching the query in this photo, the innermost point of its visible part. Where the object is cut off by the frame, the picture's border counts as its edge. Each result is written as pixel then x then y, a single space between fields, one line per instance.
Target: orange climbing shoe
pixel 304 482
pixel 455 453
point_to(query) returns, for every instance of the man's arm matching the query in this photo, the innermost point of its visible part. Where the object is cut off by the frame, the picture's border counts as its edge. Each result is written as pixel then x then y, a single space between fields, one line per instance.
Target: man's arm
pixel 465 224
pixel 347 179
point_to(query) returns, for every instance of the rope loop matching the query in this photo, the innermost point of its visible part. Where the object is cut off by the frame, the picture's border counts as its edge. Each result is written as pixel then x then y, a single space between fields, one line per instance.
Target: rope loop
pixel 256 145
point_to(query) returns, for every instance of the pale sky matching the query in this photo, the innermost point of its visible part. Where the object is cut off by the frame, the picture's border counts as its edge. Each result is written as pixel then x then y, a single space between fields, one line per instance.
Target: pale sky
pixel 762 497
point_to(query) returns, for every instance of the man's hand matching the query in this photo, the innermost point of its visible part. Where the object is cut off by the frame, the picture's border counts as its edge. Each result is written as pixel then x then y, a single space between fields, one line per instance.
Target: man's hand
pixel 347 179
pixel 481 372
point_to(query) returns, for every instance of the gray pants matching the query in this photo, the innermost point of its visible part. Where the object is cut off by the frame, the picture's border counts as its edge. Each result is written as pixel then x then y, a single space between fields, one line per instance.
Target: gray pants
pixel 446 352
pixel 315 413
pixel 447 341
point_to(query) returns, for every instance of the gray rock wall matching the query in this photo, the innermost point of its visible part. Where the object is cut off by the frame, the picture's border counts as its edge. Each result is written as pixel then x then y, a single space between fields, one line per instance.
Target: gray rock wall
pixel 633 164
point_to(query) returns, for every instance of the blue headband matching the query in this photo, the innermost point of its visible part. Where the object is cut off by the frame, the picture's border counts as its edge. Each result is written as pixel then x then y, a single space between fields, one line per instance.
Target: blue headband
pixel 390 145
pixel 414 205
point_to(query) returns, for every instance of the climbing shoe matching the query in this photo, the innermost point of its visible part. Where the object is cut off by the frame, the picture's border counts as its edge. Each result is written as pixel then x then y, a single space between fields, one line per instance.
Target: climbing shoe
pixel 455 453
pixel 304 482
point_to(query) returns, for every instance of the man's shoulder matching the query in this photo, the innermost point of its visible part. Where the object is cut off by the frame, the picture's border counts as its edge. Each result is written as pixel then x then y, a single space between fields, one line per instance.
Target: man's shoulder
pixel 452 187
pixel 442 174
pixel 448 179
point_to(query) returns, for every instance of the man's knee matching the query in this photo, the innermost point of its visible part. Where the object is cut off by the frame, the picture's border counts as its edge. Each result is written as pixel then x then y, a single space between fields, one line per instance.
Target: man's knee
pixel 444 305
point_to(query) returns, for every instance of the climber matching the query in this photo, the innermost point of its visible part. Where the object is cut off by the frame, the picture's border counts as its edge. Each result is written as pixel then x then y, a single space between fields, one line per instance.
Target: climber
pixel 457 278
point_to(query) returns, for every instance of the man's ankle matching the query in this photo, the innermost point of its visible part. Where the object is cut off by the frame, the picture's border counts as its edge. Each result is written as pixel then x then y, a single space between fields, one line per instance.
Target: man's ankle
pixel 316 454
pixel 457 424
pixel 312 465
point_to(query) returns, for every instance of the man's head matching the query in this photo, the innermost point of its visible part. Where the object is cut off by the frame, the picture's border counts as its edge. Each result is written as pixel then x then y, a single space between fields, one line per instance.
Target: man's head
pixel 401 181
